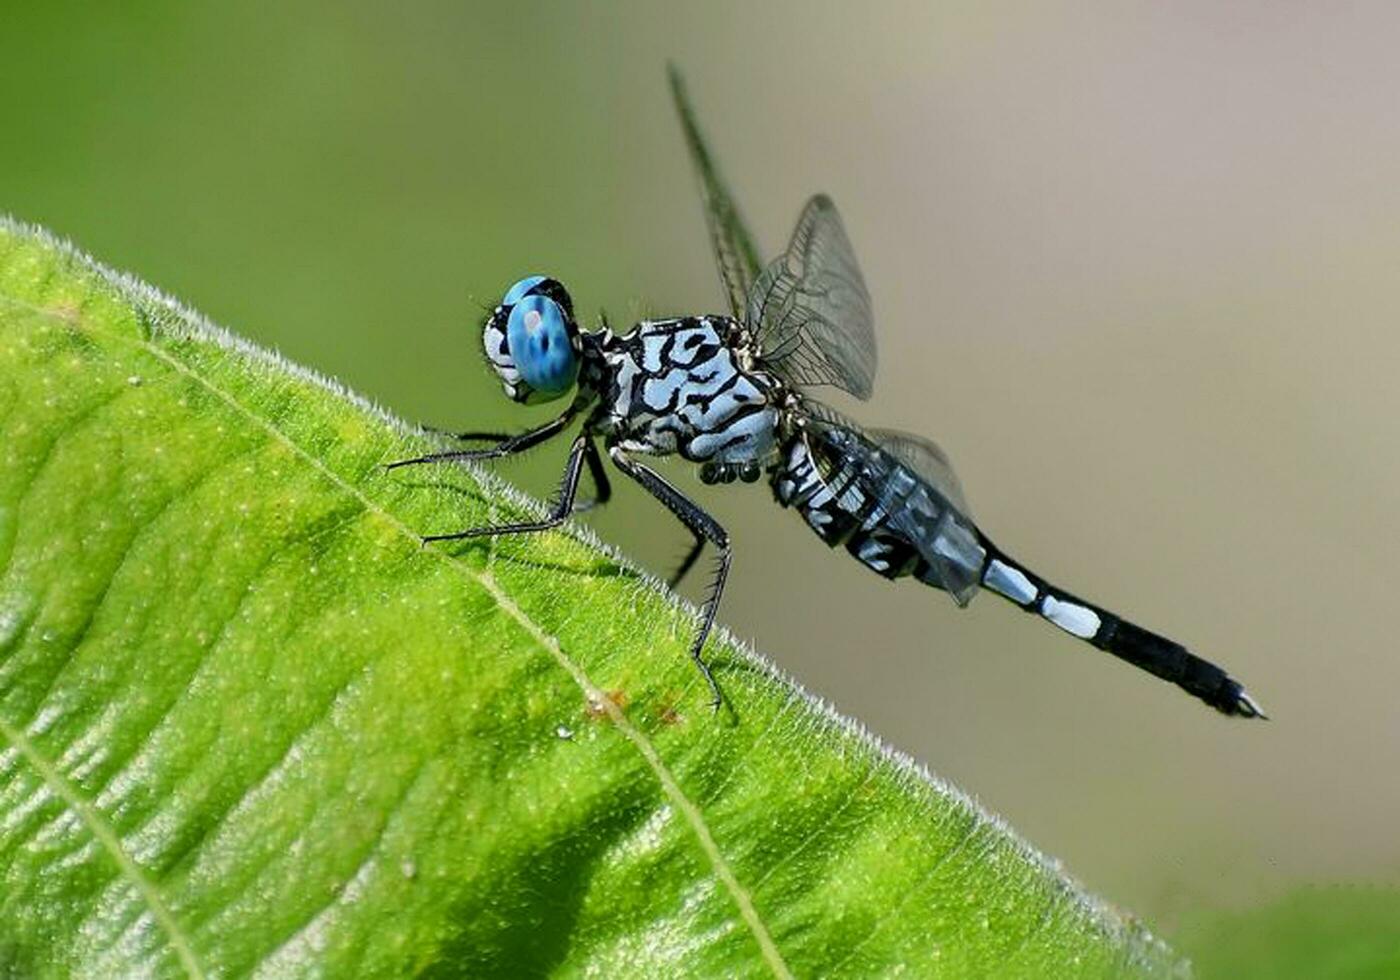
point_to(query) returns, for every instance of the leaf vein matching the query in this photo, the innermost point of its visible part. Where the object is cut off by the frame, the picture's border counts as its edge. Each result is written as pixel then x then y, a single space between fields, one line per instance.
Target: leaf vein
pixel 107 836
pixel 699 826
pixel 371 848
pixel 973 826
pixel 184 689
pixel 828 826
pixel 94 606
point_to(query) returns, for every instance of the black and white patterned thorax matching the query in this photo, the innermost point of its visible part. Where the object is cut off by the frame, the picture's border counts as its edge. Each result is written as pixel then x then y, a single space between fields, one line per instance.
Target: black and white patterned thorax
pixel 684 386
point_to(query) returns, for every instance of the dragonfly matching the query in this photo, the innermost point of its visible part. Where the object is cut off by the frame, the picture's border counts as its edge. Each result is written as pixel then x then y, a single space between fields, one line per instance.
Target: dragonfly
pixel 732 393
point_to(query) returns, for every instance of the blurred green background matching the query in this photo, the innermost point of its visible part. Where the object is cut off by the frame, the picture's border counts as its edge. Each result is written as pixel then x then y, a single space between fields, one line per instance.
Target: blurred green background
pixel 1135 268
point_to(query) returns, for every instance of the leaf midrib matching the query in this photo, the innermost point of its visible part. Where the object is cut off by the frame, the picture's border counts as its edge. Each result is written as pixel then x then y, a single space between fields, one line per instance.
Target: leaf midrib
pixel 738 894
pixel 109 839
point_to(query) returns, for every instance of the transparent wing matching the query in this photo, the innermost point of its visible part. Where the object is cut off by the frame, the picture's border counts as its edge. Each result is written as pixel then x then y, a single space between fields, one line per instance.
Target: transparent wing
pixel 904 483
pixel 735 253
pixel 926 459
pixel 810 310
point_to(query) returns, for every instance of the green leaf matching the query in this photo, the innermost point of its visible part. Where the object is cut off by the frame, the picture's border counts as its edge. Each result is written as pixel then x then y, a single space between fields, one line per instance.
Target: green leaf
pixel 249 725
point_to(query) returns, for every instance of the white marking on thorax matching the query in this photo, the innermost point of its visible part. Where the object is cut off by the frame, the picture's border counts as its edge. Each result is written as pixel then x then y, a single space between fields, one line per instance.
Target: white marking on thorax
pixel 690 342
pixel 755 434
pixel 657 392
pixel 1071 617
pixel 652 346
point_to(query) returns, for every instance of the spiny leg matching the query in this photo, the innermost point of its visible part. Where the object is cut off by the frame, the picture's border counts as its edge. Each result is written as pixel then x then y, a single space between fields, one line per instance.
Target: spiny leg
pixel 602 488
pixel 506 447
pixel 563 505
pixel 703 526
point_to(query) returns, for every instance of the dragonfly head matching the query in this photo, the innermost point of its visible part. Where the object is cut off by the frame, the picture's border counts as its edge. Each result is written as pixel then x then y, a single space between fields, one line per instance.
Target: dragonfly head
pixel 532 340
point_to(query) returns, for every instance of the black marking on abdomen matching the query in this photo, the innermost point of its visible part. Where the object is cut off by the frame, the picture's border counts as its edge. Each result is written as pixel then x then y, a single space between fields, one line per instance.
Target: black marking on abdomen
pixel 822 504
pixel 839 510
pixel 1111 633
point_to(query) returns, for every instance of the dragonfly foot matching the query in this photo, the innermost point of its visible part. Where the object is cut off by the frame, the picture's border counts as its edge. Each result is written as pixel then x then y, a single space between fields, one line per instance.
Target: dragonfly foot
pixel 716 696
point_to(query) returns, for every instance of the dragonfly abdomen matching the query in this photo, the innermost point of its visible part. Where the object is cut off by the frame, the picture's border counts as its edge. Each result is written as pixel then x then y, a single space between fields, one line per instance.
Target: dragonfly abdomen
pixel 1109 632
pixel 840 513
pixel 884 532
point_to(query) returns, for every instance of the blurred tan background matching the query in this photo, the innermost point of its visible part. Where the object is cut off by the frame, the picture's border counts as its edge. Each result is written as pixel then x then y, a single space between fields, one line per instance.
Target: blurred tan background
pixel 1134 267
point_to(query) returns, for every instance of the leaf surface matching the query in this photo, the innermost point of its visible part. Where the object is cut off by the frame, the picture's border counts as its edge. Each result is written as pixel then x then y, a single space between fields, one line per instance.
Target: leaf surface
pixel 248 725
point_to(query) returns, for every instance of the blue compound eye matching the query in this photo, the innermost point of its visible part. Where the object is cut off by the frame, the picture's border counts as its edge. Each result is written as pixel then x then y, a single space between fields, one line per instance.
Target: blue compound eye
pixel 520 289
pixel 541 340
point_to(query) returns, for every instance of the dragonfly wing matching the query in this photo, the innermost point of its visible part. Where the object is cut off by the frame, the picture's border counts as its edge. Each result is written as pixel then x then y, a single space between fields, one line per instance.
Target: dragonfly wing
pixel 884 478
pixel 810 310
pixel 735 253
pixel 926 459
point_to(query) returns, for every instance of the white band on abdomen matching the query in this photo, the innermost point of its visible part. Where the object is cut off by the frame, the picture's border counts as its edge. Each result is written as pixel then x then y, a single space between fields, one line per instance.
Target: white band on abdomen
pixel 1071 617
pixel 1009 581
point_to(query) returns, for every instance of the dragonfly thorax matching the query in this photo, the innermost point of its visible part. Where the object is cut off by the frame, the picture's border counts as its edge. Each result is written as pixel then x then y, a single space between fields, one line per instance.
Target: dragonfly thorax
pixel 685 386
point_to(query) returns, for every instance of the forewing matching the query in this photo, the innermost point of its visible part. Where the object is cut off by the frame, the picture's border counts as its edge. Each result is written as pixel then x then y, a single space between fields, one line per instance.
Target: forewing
pixel 909 480
pixel 810 310
pixel 735 253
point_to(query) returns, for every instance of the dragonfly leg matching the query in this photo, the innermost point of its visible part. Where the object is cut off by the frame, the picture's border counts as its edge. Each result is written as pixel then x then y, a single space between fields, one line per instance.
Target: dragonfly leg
pixel 602 489
pixel 703 526
pixel 563 504
pixel 508 446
